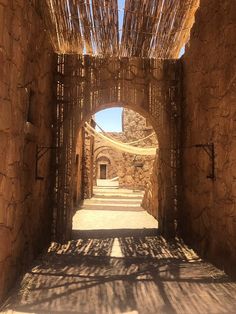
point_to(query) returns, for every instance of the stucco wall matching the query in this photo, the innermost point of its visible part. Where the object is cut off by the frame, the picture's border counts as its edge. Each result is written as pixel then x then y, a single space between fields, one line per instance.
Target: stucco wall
pixel 26 62
pixel 208 215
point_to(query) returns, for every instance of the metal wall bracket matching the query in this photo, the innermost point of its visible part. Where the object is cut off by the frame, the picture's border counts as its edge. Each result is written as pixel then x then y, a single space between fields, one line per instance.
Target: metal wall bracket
pixel 209 148
pixel 40 152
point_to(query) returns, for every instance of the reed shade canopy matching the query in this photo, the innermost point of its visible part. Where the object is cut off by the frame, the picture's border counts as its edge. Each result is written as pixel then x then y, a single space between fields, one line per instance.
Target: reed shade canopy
pixel 151 28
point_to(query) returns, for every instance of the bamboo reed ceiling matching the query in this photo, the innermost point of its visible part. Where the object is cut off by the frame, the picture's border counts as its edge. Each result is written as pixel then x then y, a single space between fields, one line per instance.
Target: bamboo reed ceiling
pixel 151 28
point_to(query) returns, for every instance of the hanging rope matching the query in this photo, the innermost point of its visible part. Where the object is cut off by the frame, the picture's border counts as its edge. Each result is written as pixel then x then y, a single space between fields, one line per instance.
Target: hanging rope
pixel 147 151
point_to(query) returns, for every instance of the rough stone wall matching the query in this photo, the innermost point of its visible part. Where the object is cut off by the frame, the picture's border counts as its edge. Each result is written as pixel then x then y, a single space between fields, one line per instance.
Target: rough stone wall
pixel 26 62
pixel 136 127
pixel 87 165
pixel 150 198
pixel 207 219
pixel 78 170
pixel 133 171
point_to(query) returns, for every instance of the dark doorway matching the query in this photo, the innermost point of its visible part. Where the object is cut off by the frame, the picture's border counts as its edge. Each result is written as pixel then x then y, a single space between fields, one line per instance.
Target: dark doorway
pixel 103 171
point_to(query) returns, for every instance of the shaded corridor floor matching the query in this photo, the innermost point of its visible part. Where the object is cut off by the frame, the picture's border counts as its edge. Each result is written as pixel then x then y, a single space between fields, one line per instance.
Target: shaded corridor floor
pixel 122 271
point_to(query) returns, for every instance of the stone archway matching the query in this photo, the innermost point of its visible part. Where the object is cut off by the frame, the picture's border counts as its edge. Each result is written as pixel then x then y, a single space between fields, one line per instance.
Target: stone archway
pixel 150 87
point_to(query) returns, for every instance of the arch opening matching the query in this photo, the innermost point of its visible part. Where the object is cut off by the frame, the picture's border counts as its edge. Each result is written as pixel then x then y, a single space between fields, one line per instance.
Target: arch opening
pixel 117 172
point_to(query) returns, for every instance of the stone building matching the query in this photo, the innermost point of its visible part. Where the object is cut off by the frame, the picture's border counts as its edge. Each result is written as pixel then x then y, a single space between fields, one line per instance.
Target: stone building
pixel 133 171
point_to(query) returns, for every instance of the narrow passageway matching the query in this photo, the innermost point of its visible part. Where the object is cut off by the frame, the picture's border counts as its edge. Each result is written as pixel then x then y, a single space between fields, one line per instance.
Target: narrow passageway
pixel 166 69
pixel 117 263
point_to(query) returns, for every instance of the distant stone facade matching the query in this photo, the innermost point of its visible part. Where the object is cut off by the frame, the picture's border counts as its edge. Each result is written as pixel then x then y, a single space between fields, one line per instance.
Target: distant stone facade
pixel 133 171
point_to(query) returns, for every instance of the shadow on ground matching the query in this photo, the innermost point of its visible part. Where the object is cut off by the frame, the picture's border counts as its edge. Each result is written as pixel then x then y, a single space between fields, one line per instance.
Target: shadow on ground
pixel 153 276
pixel 113 233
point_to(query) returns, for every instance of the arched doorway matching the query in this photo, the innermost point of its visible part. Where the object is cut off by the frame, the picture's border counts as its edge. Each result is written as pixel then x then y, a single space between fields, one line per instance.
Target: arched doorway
pixel 88 84
pixel 102 165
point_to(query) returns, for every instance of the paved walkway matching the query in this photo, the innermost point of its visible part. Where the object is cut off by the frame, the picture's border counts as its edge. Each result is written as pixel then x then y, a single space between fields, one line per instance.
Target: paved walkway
pixel 117 263
pixel 113 209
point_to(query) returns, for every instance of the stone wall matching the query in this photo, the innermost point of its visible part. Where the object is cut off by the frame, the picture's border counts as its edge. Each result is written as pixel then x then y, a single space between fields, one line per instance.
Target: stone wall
pixel 207 219
pixel 87 164
pixel 133 171
pixel 150 198
pixel 26 63
pixel 78 173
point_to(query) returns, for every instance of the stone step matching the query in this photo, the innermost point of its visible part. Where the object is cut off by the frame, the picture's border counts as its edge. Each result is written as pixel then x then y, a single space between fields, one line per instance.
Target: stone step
pixel 115 200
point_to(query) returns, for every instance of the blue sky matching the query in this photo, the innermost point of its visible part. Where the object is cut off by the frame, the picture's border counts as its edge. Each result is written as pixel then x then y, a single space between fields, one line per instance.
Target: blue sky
pixel 182 51
pixel 110 119
pixel 121 5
